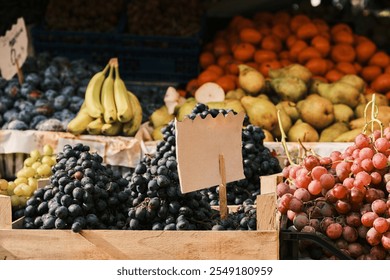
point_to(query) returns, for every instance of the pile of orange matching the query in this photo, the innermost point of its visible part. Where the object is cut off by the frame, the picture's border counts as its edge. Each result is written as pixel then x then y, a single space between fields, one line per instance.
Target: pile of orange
pixel 274 40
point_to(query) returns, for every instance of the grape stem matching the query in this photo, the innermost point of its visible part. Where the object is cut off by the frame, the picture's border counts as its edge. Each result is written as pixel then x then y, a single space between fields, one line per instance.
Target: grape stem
pixel 283 140
pixel 374 115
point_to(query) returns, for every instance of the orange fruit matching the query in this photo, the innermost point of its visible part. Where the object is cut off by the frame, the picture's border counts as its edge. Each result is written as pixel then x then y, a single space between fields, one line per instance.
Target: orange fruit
pixel 272 43
pixel 308 53
pixel 264 55
pixel 370 72
pixel 291 39
pixel 224 59
pixel 298 20
pixel 380 59
pixel 226 82
pixel 206 58
pixel 221 48
pixel 342 53
pixel 284 55
pixel 296 48
pixel 381 83
pixel 216 68
pixel 266 66
pixel 322 44
pixel 333 75
pixel 250 35
pixel 340 27
pixel 307 31
pixel 281 17
pixel 317 66
pixel 343 37
pixel 321 24
pixel 365 50
pixel 244 52
pixel 192 86
pixel 281 30
pixel 346 68
pixel 207 76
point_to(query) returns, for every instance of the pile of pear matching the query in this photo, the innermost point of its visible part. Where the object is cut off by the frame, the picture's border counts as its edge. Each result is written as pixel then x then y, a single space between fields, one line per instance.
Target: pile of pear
pixel 310 110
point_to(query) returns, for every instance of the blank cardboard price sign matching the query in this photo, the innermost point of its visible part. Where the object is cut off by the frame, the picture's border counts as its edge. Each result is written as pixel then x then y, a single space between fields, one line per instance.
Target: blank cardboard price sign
pixel 13 49
pixel 209 152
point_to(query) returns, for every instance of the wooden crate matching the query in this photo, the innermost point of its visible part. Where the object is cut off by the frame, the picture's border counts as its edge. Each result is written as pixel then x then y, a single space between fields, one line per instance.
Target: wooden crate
pixel 262 244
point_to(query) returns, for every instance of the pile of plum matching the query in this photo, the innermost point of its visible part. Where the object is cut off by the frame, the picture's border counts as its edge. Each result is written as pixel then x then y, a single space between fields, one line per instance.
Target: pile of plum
pixel 49 97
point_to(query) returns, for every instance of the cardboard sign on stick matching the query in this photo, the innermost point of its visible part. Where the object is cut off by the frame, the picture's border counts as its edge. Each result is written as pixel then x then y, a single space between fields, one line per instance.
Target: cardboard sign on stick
pixel 200 143
pixel 13 50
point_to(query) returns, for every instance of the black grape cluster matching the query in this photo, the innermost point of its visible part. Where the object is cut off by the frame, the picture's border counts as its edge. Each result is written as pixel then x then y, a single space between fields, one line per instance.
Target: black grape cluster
pixel 243 219
pixel 158 203
pixel 82 194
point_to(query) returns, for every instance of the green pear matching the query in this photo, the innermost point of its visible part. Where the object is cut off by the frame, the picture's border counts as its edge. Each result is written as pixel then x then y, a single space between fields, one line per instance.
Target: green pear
pixel 235 94
pixel 340 93
pixel 261 112
pixel 185 109
pixel 316 111
pixel 333 131
pixel 342 113
pixel 232 104
pixel 160 117
pixel 290 108
pixel 250 80
pixel 302 131
pixel 289 88
pixel 292 70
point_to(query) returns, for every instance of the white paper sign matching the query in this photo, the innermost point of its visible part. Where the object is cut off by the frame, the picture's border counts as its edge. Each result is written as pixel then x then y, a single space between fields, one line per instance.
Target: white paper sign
pixel 199 143
pixel 13 49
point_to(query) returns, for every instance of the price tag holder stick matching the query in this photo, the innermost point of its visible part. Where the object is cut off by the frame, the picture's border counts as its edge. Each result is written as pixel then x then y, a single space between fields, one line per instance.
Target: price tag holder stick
pixel 20 73
pixel 223 209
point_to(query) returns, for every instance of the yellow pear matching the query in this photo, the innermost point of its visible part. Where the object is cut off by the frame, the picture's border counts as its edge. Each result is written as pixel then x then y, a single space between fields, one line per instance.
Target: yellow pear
pixel 261 112
pixel 302 131
pixel 332 132
pixel 160 117
pixel 250 80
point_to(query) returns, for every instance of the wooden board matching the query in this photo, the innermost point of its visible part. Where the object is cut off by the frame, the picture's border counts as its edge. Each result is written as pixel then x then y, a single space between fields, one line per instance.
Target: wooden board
pixel 262 244
pixel 148 245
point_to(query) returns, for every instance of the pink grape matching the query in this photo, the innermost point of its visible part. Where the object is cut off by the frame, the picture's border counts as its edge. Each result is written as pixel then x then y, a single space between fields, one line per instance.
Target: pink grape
pixel 327 181
pixel 362 141
pixel 318 171
pixel 366 153
pixel 379 206
pixel 367 164
pixel 348 182
pixel 379 161
pixel 314 187
pixel 376 178
pixel 382 144
pixel 364 177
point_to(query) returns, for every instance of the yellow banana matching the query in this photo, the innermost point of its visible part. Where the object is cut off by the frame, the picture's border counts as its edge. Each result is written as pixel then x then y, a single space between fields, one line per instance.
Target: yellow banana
pixel 95 126
pixel 92 94
pixel 107 98
pixel 111 129
pixel 131 127
pixel 122 99
pixel 79 124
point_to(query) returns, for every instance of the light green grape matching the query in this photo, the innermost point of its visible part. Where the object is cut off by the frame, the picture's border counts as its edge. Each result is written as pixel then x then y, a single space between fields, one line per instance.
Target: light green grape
pixel 18 190
pixel 36 165
pixel 11 187
pixel 44 170
pixel 35 154
pixel 47 150
pixel 48 160
pixel 3 185
pixel 28 161
pixel 15 201
pixel 20 180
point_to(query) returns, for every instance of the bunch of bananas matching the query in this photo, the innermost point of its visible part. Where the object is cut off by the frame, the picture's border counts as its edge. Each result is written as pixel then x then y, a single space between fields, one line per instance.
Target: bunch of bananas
pixel 108 108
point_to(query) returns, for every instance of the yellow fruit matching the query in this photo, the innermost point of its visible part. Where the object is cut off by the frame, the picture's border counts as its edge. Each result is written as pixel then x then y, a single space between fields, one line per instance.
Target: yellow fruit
pixel 20 180
pixel 47 150
pixel 3 184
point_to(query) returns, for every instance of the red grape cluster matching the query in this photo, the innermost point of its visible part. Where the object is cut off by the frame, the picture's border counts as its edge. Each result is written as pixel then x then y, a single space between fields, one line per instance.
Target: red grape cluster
pixel 344 196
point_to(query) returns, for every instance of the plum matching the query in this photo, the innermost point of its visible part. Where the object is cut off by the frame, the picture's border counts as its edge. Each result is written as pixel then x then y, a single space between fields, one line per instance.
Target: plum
pixel 1 120
pixel 17 125
pixel 12 89
pixel 50 125
pixel 5 104
pixel 10 115
pixel 33 79
pixel 25 89
pixel 50 94
pixel 51 71
pixel 44 107
pixel 68 91
pixel 51 83
pixel 36 120
pixel 61 102
pixel 26 115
